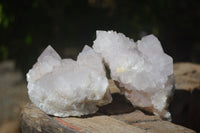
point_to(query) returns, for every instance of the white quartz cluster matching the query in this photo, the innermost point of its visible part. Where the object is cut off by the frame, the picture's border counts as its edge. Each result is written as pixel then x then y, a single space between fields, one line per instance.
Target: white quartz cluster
pixel 64 87
pixel 141 68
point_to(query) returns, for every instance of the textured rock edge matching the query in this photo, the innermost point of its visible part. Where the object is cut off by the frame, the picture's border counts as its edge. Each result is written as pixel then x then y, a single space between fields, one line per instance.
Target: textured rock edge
pixel 34 120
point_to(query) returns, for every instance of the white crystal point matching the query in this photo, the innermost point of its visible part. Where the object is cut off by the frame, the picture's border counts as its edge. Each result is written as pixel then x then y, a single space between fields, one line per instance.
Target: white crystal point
pixel 64 87
pixel 141 68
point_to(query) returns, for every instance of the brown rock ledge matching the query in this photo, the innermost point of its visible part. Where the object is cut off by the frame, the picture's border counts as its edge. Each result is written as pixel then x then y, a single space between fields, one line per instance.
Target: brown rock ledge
pixel 185 106
pixel 33 120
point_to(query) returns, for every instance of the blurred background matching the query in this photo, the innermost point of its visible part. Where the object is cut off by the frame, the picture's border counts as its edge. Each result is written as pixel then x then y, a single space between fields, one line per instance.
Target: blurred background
pixel 27 27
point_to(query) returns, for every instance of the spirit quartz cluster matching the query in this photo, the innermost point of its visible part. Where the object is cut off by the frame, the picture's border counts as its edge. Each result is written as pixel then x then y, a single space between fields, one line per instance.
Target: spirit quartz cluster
pixel 64 87
pixel 142 69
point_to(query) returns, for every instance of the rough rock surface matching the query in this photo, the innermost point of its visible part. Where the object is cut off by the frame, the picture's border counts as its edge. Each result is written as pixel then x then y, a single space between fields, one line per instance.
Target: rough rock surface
pixel 34 120
pixel 187 76
pixel 141 68
pixel 64 87
pixel 185 105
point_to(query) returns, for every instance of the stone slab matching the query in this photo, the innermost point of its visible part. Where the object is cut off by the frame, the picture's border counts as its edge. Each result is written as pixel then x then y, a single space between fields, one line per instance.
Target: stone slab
pixel 33 120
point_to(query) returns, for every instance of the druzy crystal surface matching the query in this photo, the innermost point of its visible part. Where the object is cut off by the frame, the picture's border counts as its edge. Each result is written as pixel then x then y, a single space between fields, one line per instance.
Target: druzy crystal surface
pixel 64 87
pixel 142 69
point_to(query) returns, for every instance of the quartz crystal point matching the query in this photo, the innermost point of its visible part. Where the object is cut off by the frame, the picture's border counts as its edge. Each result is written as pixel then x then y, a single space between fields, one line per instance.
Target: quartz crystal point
pixel 64 87
pixel 142 69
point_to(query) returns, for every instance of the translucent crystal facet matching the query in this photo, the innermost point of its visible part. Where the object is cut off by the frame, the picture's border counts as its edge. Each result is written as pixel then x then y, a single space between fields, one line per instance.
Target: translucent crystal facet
pixel 141 68
pixel 64 87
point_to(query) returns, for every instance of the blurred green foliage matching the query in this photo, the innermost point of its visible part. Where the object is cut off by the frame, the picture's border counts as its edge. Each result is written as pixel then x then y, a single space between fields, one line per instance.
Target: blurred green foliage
pixel 4 19
pixel 4 51
pixel 27 27
pixel 28 39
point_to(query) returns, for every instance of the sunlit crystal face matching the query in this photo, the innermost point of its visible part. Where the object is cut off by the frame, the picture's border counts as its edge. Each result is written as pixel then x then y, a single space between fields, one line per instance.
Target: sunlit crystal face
pixel 141 67
pixel 64 87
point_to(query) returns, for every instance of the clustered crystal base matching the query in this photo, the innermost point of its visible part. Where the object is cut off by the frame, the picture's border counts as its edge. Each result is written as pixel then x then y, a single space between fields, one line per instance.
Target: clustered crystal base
pixel 65 87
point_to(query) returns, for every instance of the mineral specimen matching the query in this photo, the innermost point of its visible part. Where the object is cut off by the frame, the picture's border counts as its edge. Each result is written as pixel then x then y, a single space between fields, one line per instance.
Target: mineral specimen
pixel 142 69
pixel 64 87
